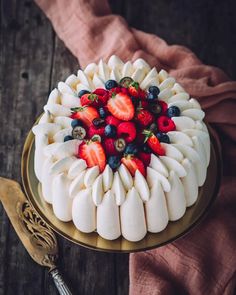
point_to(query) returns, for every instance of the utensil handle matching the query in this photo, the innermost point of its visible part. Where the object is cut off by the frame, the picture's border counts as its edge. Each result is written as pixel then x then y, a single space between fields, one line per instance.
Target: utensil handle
pixel 59 282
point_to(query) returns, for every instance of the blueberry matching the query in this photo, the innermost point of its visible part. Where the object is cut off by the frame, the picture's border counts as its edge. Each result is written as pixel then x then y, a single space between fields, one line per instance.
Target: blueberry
pixel 110 130
pixel 163 137
pixel 78 132
pixel 82 92
pixel 114 162
pixel 151 96
pixel 98 122
pixel 120 144
pixel 146 149
pixel 110 84
pixel 154 90
pixel 76 122
pixel 102 113
pixel 67 138
pixel 131 149
pixel 173 111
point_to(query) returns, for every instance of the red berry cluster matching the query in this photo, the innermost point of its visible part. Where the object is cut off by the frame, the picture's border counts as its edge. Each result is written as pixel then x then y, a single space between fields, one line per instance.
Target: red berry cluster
pixel 126 124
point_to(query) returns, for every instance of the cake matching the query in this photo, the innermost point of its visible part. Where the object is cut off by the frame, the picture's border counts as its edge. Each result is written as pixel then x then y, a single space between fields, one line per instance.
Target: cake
pixel 121 149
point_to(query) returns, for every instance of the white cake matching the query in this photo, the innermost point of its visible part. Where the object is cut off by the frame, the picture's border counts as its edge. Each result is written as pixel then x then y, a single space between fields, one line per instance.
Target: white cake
pixel 123 201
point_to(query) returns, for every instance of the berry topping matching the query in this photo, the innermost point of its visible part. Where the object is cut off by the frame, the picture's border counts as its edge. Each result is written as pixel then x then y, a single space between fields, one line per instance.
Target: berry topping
pixel 146 149
pixel 93 153
pixel 173 111
pixel 154 90
pixel 82 92
pixel 114 162
pixel 98 122
pixel 165 124
pixel 142 94
pixel 110 84
pixel 155 108
pixel 153 127
pixel 76 122
pixel 131 149
pixel 92 130
pixel 127 131
pixel 121 107
pixel 68 137
pixel 102 96
pixel 85 114
pixel 144 117
pixel 112 120
pixel 145 157
pixel 126 81
pixel 134 89
pixel 110 131
pixel 163 137
pixel 154 143
pixel 109 146
pixel 78 132
pixel 151 97
pixel 89 99
pixel 102 112
pixel 120 145
pixel 133 164
pixel 164 107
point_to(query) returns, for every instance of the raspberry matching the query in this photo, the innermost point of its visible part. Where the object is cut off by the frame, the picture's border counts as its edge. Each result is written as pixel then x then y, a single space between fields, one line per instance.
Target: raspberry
pixel 164 107
pixel 109 146
pixel 127 131
pixel 92 130
pixel 112 121
pixel 145 157
pixel 165 124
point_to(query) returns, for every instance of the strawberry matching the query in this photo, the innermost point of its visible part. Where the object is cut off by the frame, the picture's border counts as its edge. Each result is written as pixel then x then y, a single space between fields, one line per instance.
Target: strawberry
pixel 89 99
pixel 110 120
pixel 114 91
pixel 134 89
pixel 165 124
pixel 164 107
pixel 102 96
pixel 144 117
pixel 142 94
pixel 133 164
pixel 145 157
pixel 121 107
pixel 86 114
pixel 153 143
pixel 93 153
pixel 109 146
pixel 92 130
pixel 124 90
pixel 127 131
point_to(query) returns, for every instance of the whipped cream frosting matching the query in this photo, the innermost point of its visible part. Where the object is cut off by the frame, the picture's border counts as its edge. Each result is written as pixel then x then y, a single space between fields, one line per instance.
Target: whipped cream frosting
pixel 115 203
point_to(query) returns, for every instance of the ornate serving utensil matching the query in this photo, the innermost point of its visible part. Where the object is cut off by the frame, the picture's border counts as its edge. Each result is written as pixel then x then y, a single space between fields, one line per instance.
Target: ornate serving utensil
pixel 36 236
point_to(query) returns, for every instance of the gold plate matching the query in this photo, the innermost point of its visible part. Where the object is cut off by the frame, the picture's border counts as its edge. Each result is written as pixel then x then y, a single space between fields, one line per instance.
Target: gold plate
pixel 174 230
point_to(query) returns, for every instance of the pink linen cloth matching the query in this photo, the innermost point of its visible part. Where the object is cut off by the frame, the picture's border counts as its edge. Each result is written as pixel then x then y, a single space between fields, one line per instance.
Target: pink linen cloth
pixel 203 262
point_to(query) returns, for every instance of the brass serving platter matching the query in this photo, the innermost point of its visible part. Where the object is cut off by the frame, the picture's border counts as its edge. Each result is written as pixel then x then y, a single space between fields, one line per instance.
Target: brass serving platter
pixel 174 230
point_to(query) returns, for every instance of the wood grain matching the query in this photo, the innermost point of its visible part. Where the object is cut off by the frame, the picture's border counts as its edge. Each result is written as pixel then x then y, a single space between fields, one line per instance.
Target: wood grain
pixel 32 61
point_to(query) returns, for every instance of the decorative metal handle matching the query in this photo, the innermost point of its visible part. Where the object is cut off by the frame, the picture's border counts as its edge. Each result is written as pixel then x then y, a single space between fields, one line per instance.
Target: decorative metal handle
pixel 59 282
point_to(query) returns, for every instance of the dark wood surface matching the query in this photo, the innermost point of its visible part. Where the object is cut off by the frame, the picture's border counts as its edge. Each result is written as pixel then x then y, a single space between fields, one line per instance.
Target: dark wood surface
pixel 33 60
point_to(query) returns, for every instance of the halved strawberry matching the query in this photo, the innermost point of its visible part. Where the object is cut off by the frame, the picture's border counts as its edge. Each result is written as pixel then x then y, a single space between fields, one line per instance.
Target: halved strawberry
pixel 134 89
pixel 93 154
pixel 121 107
pixel 153 143
pixel 133 164
pixel 86 114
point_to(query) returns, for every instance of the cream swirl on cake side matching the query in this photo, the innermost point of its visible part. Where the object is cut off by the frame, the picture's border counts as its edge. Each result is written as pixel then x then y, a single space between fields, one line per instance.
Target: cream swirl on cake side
pixel 113 201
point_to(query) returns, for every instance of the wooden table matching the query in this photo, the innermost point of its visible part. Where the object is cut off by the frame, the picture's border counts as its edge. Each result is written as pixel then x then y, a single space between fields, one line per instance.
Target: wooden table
pixel 33 60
